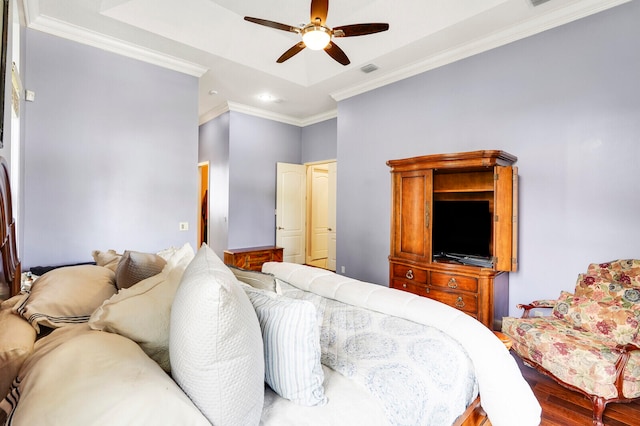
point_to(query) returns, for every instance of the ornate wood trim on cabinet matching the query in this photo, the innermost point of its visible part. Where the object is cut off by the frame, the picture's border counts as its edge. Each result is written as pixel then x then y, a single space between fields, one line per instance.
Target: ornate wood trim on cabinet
pixel 487 176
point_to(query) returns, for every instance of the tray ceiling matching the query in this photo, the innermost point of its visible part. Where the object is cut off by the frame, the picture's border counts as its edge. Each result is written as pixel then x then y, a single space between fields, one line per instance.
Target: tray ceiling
pixel 235 60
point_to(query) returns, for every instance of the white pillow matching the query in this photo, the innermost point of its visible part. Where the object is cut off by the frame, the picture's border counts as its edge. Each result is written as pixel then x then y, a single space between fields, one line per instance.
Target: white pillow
pixel 292 352
pixel 141 312
pixel 66 295
pixel 215 343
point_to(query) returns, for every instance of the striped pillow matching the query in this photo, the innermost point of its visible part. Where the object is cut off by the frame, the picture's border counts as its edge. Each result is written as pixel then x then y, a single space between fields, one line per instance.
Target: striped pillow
pixel 291 340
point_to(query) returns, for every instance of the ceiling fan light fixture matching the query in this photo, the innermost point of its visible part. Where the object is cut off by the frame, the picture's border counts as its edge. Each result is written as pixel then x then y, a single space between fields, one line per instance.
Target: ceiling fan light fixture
pixel 316 37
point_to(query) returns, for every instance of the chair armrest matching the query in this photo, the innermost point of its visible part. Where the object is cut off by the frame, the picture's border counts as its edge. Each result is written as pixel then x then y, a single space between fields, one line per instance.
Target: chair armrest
pixel 629 347
pixel 542 303
pixel 621 364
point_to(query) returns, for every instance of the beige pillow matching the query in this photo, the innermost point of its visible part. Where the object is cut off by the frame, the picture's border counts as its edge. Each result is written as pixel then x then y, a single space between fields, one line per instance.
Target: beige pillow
pixel 108 259
pixel 135 267
pixel 255 279
pixel 66 295
pixel 16 344
pixel 78 376
pixel 142 312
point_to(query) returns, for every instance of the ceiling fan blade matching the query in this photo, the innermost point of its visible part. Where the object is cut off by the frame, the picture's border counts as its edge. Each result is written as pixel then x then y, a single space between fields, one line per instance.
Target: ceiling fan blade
pixel 272 24
pixel 336 53
pixel 319 10
pixel 359 29
pixel 294 50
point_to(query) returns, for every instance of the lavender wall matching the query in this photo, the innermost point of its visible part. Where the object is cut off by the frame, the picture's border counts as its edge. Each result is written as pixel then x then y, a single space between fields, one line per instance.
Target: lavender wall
pixel 110 156
pixel 566 102
pixel 255 146
pixel 319 141
pixel 243 151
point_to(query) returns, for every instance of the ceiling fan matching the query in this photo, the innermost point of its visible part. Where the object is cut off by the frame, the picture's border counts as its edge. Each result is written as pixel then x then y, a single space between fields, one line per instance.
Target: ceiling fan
pixel 316 35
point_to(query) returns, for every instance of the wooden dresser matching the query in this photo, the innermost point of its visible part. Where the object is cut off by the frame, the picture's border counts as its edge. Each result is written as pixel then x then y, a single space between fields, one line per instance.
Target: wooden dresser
pixel 419 184
pixel 252 258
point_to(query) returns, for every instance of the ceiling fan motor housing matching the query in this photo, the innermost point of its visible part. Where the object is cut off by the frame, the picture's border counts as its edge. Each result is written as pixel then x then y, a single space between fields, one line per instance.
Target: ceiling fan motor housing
pixel 316 37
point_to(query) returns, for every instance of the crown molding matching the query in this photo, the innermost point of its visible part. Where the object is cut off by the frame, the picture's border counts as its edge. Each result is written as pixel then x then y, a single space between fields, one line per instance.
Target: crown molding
pixel 213 113
pixel 84 36
pixel 318 118
pixel 527 28
pixel 257 112
pixel 269 115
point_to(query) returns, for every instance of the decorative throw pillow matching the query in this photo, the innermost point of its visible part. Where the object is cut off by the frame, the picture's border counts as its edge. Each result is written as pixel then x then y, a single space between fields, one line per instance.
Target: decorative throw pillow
pixel 255 279
pixel 16 344
pixel 605 320
pixel 66 295
pixel 598 288
pixel 215 343
pixel 135 267
pixel 291 337
pixel 108 259
pixel 606 291
pixel 142 312
pixel 621 271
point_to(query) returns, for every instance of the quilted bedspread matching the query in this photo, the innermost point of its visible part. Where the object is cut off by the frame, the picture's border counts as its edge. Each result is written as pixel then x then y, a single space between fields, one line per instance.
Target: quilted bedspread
pixel 420 375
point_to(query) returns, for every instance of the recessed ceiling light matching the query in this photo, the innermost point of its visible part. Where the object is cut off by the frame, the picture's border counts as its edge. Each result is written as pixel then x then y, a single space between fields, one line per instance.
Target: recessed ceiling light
pixel 267 97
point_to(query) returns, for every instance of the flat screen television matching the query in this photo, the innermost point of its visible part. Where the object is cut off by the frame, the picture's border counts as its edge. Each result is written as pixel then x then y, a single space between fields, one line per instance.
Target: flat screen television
pixel 461 228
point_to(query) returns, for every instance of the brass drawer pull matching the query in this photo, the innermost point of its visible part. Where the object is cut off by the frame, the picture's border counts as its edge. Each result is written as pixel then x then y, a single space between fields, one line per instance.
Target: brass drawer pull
pixel 460 302
pixel 452 283
pixel 404 285
pixel 409 274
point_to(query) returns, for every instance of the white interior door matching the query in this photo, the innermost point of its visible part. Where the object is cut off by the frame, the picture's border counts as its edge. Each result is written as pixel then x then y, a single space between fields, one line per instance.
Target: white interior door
pixel 290 211
pixel 318 223
pixel 331 210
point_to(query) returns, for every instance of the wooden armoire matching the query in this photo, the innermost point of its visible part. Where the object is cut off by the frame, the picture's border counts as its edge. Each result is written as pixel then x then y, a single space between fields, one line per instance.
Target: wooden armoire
pixel 446 186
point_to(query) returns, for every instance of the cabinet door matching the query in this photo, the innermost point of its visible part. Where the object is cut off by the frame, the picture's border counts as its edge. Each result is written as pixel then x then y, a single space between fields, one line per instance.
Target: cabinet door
pixel 411 227
pixel 503 231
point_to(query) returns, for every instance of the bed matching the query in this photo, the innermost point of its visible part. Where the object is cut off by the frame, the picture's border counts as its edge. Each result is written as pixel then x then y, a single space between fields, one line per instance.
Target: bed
pixel 177 337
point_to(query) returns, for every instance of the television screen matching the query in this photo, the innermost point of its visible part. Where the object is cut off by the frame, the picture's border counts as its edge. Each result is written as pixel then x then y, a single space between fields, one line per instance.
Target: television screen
pixel 461 227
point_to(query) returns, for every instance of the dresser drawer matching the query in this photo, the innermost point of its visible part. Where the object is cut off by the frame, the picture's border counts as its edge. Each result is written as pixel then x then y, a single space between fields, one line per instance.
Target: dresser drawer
pixel 253 257
pixel 256 259
pixel 464 301
pixel 411 287
pixel 409 273
pixel 454 282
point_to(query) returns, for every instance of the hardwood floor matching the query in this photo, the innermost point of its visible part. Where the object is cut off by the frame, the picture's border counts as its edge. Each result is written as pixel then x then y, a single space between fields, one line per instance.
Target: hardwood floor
pixel 563 407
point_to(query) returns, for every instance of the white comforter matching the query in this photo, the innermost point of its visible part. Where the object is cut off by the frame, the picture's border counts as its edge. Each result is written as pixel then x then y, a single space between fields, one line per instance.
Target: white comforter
pixel 505 395
pixel 419 374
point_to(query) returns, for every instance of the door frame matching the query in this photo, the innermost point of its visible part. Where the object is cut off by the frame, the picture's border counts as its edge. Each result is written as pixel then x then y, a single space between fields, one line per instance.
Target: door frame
pixel 326 263
pixel 203 205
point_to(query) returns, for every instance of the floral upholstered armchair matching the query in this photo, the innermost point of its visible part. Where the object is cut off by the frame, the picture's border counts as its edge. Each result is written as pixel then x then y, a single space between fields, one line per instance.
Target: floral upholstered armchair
pixel 590 341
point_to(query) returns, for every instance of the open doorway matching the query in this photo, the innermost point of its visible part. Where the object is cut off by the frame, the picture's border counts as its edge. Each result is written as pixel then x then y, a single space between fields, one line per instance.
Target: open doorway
pixel 306 213
pixel 203 220
pixel 321 227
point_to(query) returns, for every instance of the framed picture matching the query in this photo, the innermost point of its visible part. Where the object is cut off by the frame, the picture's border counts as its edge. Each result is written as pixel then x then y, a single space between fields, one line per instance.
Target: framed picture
pixel 4 25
